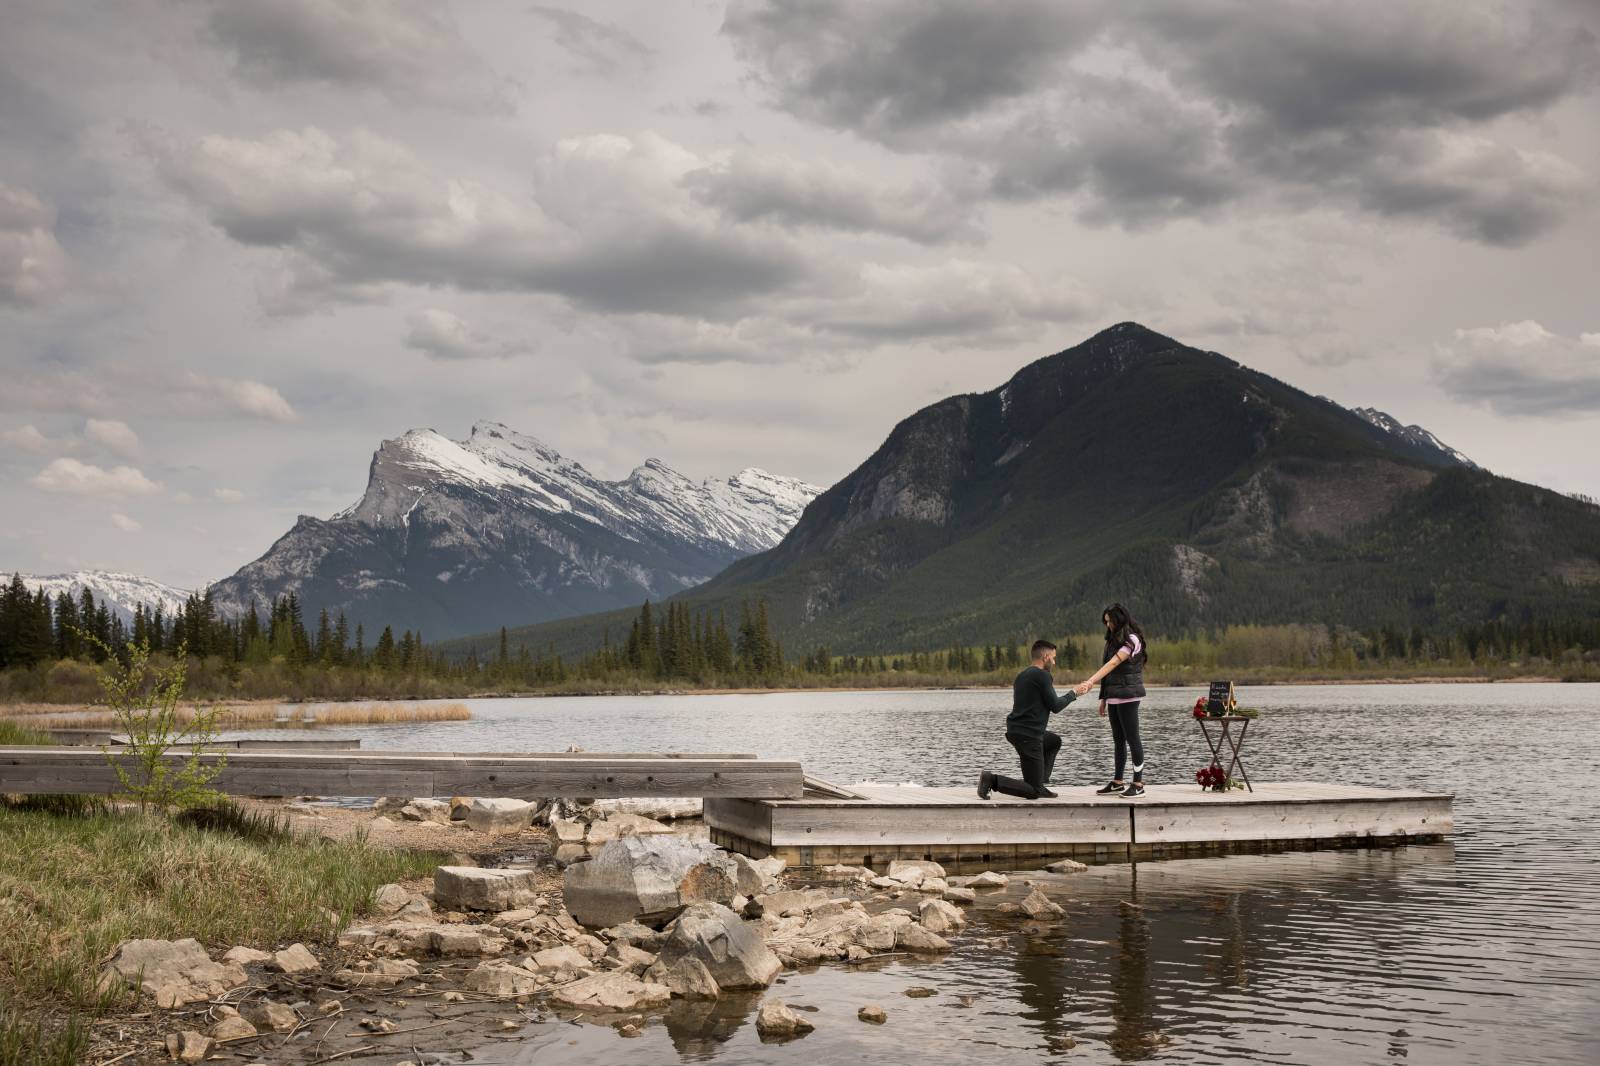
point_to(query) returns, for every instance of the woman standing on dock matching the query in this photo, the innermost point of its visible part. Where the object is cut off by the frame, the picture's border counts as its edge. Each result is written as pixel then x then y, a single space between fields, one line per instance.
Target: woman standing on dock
pixel 1121 680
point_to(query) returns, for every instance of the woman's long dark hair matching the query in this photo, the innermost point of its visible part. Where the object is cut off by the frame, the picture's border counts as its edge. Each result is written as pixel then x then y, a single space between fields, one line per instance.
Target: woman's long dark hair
pixel 1122 626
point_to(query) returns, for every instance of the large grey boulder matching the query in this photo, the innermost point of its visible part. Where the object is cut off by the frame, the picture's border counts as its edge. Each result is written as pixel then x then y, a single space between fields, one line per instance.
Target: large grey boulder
pixel 915 938
pixel 646 878
pixel 621 824
pixel 776 1021
pixel 687 977
pixel 497 978
pixel 493 817
pixel 560 959
pixel 791 901
pixel 473 888
pixel 424 939
pixel 615 991
pixel 937 916
pixel 174 972
pixel 733 952
pixel 914 870
pixel 755 876
pixel 1037 905
pixel 426 810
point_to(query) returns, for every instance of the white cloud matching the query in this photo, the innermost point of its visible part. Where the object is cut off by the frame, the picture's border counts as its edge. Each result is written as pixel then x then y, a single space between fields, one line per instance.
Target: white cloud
pixel 27 439
pixel 118 436
pixel 76 478
pixel 227 495
pixel 441 334
pixel 119 388
pixel 124 523
pixel 1522 369
pixel 33 265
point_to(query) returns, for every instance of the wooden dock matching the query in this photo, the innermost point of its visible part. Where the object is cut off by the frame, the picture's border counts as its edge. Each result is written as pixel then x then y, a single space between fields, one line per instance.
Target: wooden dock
pixel 872 824
pixel 32 770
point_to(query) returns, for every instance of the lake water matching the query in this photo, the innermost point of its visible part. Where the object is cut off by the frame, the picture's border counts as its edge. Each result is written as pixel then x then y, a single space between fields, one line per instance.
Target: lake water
pixel 1482 950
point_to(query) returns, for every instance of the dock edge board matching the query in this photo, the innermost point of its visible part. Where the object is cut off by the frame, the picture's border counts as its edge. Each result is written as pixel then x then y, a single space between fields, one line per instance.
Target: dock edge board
pixel 826 832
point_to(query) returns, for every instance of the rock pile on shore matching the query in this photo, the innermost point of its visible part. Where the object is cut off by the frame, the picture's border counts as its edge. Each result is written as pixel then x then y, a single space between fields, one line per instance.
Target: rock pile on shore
pixel 648 919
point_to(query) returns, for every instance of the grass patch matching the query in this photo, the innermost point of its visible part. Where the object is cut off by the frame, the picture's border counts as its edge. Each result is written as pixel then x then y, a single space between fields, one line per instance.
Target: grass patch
pixel 74 886
pixel 17 733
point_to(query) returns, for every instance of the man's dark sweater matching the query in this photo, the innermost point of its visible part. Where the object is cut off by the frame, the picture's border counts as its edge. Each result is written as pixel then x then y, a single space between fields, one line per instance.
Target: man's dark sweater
pixel 1033 701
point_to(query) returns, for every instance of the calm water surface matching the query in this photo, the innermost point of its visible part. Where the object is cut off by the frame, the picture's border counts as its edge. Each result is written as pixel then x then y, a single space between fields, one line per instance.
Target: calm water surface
pixel 1483 950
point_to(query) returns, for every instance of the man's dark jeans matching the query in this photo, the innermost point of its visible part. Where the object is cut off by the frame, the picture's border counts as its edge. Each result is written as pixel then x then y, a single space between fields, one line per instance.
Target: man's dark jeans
pixel 1038 755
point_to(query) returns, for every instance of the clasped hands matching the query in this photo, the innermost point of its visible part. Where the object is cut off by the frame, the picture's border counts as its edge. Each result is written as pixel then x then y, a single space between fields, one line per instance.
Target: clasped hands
pixel 1082 688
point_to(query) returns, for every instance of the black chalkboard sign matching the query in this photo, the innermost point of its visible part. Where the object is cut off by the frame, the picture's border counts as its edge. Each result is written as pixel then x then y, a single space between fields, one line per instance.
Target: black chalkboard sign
pixel 1219 700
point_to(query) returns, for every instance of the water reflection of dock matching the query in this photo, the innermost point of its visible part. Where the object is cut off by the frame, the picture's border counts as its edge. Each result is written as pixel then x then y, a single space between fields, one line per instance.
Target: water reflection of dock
pixel 870 824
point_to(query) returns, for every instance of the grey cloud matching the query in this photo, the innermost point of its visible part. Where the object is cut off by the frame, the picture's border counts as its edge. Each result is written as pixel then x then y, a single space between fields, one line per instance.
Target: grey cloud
pixel 959 301
pixel 363 211
pixel 882 67
pixel 1521 369
pixel 1142 155
pixel 1307 66
pixel 1383 107
pixel 441 334
pixel 409 52
pixel 33 265
pixel 748 187
pixel 603 48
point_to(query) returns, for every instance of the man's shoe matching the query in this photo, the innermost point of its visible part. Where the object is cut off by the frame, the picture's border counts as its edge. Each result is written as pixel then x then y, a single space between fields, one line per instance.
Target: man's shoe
pixel 1045 793
pixel 1111 789
pixel 1133 791
pixel 985 784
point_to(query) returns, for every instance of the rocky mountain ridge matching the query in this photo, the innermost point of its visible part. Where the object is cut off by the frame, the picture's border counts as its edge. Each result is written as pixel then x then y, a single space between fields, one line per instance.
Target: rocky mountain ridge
pixel 1133 467
pixel 120 592
pixel 455 535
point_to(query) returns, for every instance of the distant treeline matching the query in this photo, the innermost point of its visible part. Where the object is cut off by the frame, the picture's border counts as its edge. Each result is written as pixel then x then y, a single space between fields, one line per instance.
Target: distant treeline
pixel 45 654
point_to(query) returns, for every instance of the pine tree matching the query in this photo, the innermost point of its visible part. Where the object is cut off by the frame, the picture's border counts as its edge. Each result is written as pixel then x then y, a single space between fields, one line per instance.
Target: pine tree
pixel 69 642
pixel 383 652
pixel 341 640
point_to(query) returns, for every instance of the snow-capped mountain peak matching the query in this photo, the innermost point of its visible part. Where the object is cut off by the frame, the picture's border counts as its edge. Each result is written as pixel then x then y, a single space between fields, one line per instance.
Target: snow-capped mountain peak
pixel 1411 434
pixel 119 591
pixel 501 528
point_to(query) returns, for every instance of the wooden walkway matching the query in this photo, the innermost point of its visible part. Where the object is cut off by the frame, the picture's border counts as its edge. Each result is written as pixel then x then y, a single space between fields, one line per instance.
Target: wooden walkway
pixel 404 773
pixel 869 824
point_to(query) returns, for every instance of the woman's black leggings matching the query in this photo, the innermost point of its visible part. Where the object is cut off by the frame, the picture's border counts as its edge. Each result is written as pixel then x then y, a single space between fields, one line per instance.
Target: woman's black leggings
pixel 1125 734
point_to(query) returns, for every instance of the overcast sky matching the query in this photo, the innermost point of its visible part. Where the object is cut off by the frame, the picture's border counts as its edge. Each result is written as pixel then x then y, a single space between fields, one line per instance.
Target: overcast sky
pixel 242 243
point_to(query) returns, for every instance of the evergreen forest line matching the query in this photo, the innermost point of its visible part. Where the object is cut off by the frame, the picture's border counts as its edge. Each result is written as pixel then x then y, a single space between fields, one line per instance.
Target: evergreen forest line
pixel 50 651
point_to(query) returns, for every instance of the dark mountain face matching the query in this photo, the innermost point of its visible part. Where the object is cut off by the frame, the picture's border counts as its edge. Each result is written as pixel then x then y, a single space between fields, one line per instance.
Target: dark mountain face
pixel 455 537
pixel 1196 490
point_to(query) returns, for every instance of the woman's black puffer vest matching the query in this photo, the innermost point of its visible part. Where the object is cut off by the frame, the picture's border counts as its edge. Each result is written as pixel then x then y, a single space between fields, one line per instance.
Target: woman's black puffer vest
pixel 1126 682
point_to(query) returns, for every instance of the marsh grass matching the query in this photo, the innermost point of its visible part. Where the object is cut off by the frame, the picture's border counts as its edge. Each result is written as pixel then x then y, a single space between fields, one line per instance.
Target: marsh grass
pixel 73 886
pixel 18 733
pixel 250 716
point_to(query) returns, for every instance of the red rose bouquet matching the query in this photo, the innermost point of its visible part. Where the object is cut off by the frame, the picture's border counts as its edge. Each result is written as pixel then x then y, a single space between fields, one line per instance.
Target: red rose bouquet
pixel 1211 778
pixel 1200 707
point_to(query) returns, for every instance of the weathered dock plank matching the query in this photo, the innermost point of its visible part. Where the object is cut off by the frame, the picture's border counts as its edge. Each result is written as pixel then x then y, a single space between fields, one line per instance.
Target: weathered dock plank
pixel 372 773
pixel 888 822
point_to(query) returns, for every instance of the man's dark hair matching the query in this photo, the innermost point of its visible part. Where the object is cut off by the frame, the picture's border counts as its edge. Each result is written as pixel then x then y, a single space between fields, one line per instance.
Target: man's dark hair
pixel 1040 647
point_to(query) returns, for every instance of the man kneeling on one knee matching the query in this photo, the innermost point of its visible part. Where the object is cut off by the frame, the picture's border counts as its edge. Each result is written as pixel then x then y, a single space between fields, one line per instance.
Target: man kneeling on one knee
pixel 1033 701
